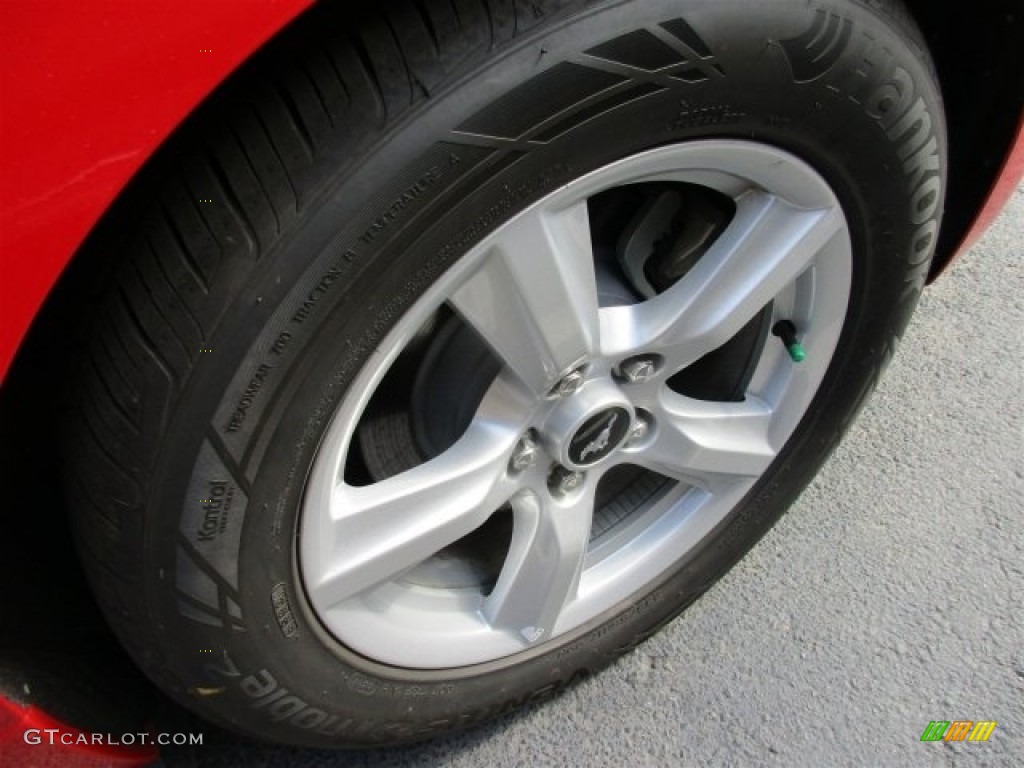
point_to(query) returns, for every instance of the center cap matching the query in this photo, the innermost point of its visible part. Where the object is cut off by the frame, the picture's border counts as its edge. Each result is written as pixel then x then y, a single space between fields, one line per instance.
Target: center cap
pixel 587 427
pixel 598 436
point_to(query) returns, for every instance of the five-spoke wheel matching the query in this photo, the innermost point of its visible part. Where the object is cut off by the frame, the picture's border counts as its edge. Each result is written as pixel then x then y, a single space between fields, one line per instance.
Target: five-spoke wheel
pixel 586 381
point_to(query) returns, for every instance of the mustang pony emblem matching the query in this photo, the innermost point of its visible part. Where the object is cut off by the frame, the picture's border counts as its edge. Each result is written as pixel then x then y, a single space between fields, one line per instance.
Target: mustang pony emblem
pixel 600 442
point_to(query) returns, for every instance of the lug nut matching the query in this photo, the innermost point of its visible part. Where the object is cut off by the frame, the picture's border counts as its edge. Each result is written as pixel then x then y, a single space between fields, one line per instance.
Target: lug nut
pixel 570 385
pixel 638 369
pixel 524 455
pixel 564 480
pixel 639 430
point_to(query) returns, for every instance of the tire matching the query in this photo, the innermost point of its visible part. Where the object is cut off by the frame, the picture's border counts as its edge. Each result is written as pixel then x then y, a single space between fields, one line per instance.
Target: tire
pixel 330 227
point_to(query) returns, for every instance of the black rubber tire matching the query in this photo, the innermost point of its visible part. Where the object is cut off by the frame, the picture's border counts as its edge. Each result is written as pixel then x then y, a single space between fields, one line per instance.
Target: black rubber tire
pixel 322 191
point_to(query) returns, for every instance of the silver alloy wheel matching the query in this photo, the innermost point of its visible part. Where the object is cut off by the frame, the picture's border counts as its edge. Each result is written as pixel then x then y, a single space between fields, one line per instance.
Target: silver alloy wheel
pixel 530 290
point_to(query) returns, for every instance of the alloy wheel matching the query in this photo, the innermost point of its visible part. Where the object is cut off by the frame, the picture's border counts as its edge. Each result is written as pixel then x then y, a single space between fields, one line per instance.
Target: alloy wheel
pixel 561 447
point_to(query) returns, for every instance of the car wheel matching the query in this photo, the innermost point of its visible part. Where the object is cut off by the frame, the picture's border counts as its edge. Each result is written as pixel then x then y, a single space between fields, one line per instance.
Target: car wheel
pixel 454 351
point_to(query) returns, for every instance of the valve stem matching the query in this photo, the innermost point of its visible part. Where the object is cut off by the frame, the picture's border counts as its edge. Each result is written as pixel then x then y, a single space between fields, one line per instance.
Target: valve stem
pixel 786 331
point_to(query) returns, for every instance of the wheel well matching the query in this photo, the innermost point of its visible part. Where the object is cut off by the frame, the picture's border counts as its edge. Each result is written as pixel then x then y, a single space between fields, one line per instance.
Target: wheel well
pixel 980 61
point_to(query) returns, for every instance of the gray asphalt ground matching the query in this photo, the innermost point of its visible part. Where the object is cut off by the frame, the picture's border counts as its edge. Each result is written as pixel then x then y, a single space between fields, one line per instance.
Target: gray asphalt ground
pixel 889 596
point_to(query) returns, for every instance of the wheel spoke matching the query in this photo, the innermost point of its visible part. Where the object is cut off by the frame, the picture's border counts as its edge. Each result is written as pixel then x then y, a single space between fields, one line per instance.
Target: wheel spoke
pixel 376 532
pixel 709 443
pixel 768 245
pixel 543 566
pixel 534 298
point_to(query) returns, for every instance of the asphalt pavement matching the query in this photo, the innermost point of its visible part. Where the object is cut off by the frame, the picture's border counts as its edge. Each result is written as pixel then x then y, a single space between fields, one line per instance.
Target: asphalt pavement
pixel 889 596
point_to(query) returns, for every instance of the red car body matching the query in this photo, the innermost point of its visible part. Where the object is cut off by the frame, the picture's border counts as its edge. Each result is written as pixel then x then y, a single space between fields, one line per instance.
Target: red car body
pixel 91 90
pixel 88 91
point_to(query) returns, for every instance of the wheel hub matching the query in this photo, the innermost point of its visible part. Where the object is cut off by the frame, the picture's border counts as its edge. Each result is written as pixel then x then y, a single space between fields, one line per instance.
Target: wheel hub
pixel 601 434
pixel 585 429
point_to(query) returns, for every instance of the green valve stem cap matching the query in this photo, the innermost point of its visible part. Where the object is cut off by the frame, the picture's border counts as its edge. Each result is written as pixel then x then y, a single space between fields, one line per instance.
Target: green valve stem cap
pixel 786 331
